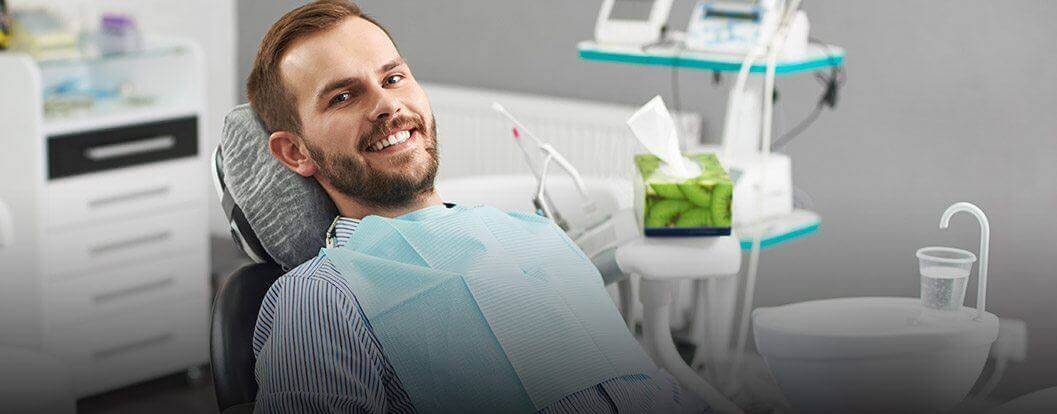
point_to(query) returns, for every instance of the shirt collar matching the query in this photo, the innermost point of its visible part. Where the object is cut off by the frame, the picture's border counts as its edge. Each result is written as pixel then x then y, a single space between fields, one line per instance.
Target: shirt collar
pixel 341 231
pixel 341 228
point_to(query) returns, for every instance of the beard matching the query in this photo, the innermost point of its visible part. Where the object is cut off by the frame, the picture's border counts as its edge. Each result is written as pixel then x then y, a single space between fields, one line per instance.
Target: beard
pixel 355 178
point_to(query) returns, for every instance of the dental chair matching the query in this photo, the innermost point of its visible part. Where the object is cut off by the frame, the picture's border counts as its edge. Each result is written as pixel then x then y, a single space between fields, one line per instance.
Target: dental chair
pixel 279 220
pixel 235 311
pixel 259 197
pixel 230 346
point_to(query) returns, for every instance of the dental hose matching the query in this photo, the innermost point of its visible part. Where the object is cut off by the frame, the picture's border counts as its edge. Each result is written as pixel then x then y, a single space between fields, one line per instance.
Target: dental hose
pixel 776 42
pixel 655 317
pixel 733 108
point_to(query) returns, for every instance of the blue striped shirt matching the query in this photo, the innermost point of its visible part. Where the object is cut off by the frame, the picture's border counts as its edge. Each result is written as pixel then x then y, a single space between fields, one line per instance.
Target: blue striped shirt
pixel 316 353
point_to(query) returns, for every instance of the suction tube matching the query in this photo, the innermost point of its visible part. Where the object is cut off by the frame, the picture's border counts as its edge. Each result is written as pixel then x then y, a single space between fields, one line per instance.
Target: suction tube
pixel 733 102
pixel 656 320
pixel 775 44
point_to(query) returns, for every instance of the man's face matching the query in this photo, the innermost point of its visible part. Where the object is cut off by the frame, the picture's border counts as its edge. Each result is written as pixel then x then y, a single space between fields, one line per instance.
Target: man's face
pixel 366 122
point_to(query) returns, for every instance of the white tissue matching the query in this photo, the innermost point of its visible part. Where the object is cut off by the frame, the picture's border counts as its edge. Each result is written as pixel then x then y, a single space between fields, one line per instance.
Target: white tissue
pixel 655 129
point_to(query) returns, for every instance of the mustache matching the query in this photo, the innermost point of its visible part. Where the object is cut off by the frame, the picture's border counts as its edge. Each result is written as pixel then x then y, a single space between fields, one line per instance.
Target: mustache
pixel 382 129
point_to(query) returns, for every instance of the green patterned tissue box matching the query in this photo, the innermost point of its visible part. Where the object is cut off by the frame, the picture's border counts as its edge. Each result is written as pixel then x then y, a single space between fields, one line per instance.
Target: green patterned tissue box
pixel 698 206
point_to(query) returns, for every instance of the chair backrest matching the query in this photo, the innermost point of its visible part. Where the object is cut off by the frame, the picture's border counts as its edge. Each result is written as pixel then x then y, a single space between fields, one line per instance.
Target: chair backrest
pixel 277 215
pixel 249 183
pixel 231 334
pixel 241 231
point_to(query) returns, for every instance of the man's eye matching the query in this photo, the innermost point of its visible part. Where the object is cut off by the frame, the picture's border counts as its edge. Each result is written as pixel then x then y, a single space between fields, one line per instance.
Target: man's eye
pixel 394 79
pixel 342 97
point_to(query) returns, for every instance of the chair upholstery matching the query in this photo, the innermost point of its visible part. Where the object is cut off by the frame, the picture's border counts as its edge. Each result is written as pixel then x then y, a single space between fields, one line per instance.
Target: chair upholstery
pixel 287 213
pixel 233 319
pixel 277 218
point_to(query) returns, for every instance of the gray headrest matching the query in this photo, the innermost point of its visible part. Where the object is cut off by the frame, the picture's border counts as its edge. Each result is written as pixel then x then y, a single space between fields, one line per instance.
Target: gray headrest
pixel 289 214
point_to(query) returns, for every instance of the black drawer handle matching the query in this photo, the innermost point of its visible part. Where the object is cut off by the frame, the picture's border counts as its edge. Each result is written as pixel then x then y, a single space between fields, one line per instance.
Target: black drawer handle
pixel 157 237
pixel 133 346
pixel 132 196
pixel 125 149
pixel 104 298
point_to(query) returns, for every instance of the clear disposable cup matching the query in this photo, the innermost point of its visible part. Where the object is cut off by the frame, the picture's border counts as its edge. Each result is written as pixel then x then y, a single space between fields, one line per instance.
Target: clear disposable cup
pixel 944 276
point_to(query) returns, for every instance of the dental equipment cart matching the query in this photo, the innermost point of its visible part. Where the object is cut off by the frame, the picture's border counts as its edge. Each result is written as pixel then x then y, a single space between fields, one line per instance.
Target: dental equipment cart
pixel 712 271
pixel 105 264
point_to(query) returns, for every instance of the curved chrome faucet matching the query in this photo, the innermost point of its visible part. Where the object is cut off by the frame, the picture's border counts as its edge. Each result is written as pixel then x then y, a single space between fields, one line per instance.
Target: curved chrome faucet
pixel 985 240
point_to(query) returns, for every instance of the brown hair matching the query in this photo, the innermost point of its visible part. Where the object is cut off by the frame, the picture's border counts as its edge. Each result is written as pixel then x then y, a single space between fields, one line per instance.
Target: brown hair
pixel 265 88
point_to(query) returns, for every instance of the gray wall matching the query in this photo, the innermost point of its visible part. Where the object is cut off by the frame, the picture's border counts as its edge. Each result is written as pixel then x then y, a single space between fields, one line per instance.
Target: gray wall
pixel 946 101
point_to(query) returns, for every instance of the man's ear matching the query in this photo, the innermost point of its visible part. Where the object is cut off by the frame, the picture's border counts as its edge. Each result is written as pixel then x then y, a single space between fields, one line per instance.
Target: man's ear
pixel 289 150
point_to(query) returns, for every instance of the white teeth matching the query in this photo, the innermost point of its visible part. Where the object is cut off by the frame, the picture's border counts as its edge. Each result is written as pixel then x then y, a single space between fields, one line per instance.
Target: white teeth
pixel 391 140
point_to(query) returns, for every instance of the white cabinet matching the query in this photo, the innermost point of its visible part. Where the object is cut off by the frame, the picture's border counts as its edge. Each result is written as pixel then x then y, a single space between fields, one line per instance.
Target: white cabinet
pixel 108 266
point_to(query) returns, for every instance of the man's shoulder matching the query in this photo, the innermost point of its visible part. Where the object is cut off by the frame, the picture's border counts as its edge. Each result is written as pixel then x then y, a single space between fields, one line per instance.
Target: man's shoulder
pixel 315 286
pixel 313 290
pixel 318 272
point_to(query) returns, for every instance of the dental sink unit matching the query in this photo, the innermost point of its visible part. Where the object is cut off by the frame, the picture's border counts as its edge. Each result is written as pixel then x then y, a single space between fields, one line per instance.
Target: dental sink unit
pixel 873 354
pixel 886 354
pixel 697 206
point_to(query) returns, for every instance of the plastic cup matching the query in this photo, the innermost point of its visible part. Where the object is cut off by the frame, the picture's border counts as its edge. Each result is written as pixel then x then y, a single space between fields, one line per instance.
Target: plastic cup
pixel 944 276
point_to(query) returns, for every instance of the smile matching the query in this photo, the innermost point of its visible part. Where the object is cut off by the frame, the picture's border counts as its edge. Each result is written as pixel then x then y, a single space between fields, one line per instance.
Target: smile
pixel 395 139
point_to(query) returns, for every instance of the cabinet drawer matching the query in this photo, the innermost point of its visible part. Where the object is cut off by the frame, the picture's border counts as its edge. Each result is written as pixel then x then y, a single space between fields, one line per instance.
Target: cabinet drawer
pixel 115 148
pixel 116 290
pixel 88 250
pixel 118 194
pixel 135 346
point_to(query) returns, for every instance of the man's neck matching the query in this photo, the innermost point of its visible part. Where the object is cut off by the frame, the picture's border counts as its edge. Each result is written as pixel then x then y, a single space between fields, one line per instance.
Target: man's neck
pixel 349 207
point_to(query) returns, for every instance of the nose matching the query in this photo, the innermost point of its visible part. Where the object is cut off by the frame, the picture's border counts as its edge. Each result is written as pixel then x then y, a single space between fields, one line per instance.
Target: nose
pixel 386 106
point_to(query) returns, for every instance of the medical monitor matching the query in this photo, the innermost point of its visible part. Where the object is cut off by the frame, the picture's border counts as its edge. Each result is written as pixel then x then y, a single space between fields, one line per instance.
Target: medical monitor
pixel 631 22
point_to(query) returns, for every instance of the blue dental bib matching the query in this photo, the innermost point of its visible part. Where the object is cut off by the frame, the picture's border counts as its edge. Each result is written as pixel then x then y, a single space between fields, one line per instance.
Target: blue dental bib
pixel 478 310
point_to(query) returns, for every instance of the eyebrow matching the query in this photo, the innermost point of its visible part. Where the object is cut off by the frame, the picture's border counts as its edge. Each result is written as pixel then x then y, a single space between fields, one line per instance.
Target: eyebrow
pixel 392 64
pixel 346 82
pixel 335 85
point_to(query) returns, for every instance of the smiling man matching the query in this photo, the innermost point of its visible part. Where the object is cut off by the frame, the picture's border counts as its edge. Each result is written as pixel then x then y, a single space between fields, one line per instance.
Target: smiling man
pixel 346 110
pixel 416 305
